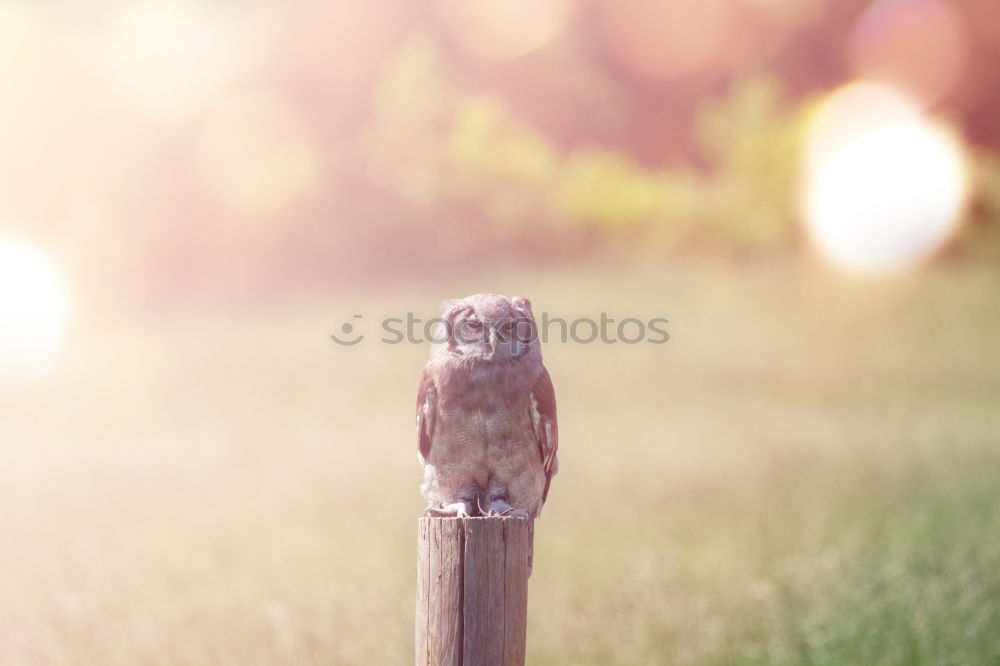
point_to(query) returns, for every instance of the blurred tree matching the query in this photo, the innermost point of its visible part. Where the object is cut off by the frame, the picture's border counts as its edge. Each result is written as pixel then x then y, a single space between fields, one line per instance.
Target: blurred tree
pixel 753 147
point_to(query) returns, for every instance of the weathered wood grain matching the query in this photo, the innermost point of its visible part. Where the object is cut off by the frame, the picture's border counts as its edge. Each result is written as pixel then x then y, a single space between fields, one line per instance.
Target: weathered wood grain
pixel 441 558
pixel 517 535
pixel 472 591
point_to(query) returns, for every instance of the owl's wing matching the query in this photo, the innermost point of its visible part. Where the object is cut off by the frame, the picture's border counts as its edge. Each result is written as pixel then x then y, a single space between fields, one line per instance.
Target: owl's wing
pixel 426 412
pixel 543 419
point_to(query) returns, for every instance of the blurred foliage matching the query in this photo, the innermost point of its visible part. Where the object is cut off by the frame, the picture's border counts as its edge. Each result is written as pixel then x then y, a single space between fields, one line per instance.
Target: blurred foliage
pixel 981 235
pixel 470 151
pixel 411 101
pixel 424 151
pixel 752 144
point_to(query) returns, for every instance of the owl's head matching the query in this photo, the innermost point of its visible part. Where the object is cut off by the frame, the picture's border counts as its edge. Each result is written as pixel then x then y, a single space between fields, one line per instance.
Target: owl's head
pixel 488 327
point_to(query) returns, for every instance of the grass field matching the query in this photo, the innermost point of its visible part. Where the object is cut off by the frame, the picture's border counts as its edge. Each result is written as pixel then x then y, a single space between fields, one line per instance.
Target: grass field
pixel 807 473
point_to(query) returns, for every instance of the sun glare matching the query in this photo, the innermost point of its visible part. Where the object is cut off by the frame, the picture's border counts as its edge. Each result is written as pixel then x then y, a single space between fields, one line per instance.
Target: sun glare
pixel 33 312
pixel 885 184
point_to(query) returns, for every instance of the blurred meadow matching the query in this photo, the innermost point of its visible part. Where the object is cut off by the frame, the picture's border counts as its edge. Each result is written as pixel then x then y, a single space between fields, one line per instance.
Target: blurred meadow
pixel 197 194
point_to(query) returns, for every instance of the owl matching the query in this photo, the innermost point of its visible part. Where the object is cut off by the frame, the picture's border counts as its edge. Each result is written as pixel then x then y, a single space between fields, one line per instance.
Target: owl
pixel 486 412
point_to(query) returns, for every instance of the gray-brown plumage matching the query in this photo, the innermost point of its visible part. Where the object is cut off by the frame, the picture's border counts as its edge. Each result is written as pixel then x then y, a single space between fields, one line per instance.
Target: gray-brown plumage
pixel 486 412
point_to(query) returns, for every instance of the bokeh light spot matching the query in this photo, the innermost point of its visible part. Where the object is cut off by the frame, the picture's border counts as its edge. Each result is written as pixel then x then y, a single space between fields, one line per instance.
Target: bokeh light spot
pixel 790 13
pixel 168 59
pixel 255 153
pixel 661 40
pixel 34 309
pixel 885 185
pixel 498 30
pixel 338 40
pixel 916 45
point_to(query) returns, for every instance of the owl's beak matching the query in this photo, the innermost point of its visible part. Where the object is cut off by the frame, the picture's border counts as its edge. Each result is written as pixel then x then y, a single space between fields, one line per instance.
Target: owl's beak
pixel 493 340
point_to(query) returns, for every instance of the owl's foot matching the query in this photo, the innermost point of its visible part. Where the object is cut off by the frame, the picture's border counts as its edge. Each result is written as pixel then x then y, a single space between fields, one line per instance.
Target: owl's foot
pixel 500 508
pixel 456 510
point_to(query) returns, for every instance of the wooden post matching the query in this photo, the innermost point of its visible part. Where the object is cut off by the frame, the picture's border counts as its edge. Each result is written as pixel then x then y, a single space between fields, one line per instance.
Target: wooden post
pixel 472 591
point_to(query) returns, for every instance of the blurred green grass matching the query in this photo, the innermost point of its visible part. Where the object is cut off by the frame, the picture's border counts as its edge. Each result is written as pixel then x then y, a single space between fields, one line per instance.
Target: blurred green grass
pixel 806 473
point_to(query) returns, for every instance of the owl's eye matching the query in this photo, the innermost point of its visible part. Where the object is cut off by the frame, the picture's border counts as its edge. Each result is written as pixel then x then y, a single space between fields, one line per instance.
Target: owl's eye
pixel 525 330
pixel 470 330
pixel 505 331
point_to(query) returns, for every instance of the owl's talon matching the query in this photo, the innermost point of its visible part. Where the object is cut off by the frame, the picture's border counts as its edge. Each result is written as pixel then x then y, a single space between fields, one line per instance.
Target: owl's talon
pixel 456 510
pixel 500 508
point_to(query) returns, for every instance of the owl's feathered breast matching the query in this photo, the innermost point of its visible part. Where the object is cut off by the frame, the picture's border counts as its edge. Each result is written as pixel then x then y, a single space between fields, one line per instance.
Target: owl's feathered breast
pixel 485 407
